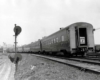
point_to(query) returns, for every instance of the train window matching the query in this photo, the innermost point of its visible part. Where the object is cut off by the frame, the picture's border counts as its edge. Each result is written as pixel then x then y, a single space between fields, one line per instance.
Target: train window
pixel 62 38
pixel 49 43
pixel 52 41
pixel 46 43
pixel 56 39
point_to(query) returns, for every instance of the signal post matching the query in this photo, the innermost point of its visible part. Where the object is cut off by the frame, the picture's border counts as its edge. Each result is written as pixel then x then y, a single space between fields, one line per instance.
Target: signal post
pixel 17 56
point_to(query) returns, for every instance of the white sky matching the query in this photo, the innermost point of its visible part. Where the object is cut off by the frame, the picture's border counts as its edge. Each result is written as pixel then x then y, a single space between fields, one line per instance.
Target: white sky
pixel 39 18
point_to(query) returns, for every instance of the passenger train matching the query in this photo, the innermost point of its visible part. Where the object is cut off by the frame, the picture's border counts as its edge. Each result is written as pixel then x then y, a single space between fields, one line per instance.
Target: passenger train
pixel 75 39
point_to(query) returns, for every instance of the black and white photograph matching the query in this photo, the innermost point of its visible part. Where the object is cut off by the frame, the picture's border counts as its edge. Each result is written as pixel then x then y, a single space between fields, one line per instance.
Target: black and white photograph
pixel 49 40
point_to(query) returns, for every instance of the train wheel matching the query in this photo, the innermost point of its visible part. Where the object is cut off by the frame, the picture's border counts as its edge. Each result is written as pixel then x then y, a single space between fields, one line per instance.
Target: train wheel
pixel 49 53
pixel 54 53
pixel 82 54
pixel 43 52
pixel 60 53
pixel 66 54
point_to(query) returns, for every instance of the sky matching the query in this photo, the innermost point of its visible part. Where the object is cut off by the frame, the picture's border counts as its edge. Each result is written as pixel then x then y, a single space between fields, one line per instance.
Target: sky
pixel 39 18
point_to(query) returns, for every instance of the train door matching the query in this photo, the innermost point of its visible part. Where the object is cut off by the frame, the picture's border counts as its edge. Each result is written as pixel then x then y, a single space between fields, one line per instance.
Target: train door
pixel 76 36
pixel 81 39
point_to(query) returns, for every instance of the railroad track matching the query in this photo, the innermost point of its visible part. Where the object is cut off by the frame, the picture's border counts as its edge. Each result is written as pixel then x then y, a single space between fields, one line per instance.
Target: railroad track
pixel 82 64
pixel 95 62
pixel 83 59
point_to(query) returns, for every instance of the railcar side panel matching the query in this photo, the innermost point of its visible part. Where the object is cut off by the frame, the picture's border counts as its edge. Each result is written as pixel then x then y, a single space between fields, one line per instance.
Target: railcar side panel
pixel 58 41
pixel 72 38
pixel 90 37
pixel 35 47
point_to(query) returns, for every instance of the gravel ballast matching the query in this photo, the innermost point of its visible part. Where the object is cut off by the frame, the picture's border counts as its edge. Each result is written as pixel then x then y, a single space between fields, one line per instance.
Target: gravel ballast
pixel 36 68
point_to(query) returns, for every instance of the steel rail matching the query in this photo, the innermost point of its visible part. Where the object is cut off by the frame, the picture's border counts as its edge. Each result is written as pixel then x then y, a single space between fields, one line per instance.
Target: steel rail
pixel 79 65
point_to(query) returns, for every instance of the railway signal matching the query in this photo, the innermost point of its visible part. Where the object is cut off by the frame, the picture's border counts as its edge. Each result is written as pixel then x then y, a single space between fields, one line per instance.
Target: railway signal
pixel 17 30
pixel 17 57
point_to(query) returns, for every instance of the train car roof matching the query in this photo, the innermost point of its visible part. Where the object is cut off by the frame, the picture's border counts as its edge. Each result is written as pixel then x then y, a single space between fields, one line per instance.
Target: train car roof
pixel 72 25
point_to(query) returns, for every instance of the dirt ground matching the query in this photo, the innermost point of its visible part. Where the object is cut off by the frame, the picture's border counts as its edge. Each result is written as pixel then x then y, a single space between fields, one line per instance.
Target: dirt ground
pixel 36 68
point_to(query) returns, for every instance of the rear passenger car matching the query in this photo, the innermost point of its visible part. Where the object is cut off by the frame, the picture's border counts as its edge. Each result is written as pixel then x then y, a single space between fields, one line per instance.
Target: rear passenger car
pixel 75 39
